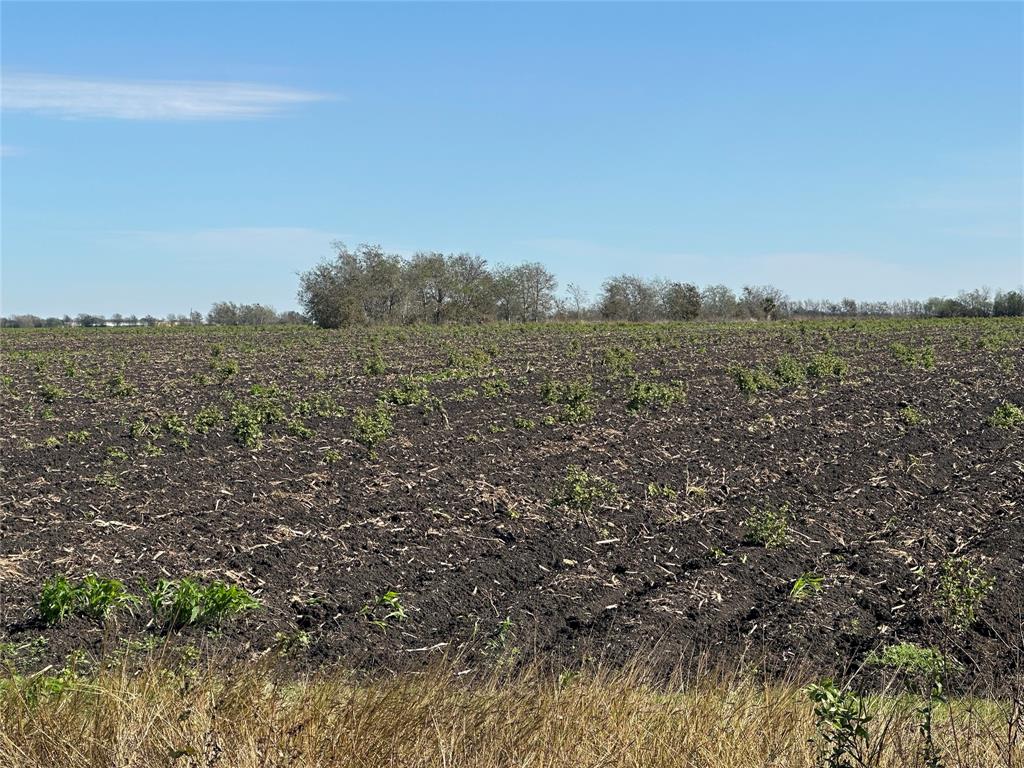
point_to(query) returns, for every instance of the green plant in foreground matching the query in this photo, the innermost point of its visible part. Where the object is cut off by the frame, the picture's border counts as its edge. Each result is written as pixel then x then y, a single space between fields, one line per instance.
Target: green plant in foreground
pixel 175 425
pixel 118 386
pixel 98 596
pixel 375 364
pixel 57 600
pixel 574 397
pixel 807 584
pixel 961 590
pixel 788 370
pixel 581 490
pixel 495 387
pixel 825 365
pixel 500 645
pixel 93 596
pixel 767 527
pixel 80 436
pixel 298 428
pixel 910 416
pixel 752 380
pixel 1007 416
pixel 372 426
pixel 177 604
pixel 224 370
pixel 654 394
pixel 51 392
pixel 246 424
pixel 656 491
pixel 291 643
pixel 922 357
pixel 393 609
pixel 408 392
pixel 206 418
pixel 841 719
pixel 618 360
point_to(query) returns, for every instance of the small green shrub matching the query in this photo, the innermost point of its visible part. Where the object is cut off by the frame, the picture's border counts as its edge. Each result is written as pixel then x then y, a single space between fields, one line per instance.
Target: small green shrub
pixel 51 392
pixel 58 600
pixel 753 380
pixel 375 365
pixel 962 588
pixel 291 643
pixel 141 428
pixel 500 645
pixel 656 491
pixel 495 387
pixel 408 392
pixel 206 419
pixel 466 393
pixel 372 426
pixel 175 425
pixel 910 416
pixel 767 527
pixel 224 369
pixel 321 404
pixel 789 371
pixel 581 490
pixel 118 453
pixel 922 357
pixel 841 719
pixel 267 401
pixel 619 361
pixel 80 436
pixel 827 365
pixel 574 397
pixel 118 386
pixel 246 425
pixel 654 394
pixel 298 428
pixel 98 596
pixel 1007 416
pixel 473 361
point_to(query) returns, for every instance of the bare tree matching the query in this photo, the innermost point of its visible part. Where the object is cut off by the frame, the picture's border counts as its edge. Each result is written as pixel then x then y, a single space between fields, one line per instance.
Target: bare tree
pixel 578 298
pixel 763 302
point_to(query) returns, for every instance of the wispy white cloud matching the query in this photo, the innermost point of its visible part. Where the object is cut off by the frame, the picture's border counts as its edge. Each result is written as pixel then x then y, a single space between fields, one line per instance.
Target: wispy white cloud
pixel 78 98
pixel 6 150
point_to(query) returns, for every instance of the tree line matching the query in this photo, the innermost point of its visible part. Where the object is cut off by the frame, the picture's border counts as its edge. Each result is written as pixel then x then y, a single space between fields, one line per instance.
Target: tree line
pixel 221 313
pixel 367 285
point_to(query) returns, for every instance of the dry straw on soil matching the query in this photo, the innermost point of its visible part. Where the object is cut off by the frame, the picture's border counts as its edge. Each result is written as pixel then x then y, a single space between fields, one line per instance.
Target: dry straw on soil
pixel 250 717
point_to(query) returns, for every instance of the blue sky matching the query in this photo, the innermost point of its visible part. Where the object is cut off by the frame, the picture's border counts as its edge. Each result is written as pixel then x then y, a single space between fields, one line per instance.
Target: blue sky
pixel 159 157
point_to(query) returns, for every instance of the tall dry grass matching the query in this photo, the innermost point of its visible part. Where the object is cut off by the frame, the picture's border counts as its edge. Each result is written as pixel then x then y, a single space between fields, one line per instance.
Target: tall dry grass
pixel 250 716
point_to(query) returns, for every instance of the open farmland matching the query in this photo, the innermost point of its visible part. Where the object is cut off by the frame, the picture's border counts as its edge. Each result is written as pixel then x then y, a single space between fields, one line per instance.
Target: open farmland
pixel 796 495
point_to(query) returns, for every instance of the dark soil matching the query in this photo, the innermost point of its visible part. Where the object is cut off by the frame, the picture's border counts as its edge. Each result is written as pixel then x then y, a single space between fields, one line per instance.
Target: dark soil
pixel 455 511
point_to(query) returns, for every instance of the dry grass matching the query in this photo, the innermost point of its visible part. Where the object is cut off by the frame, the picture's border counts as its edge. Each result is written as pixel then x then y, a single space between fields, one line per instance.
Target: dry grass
pixel 251 717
